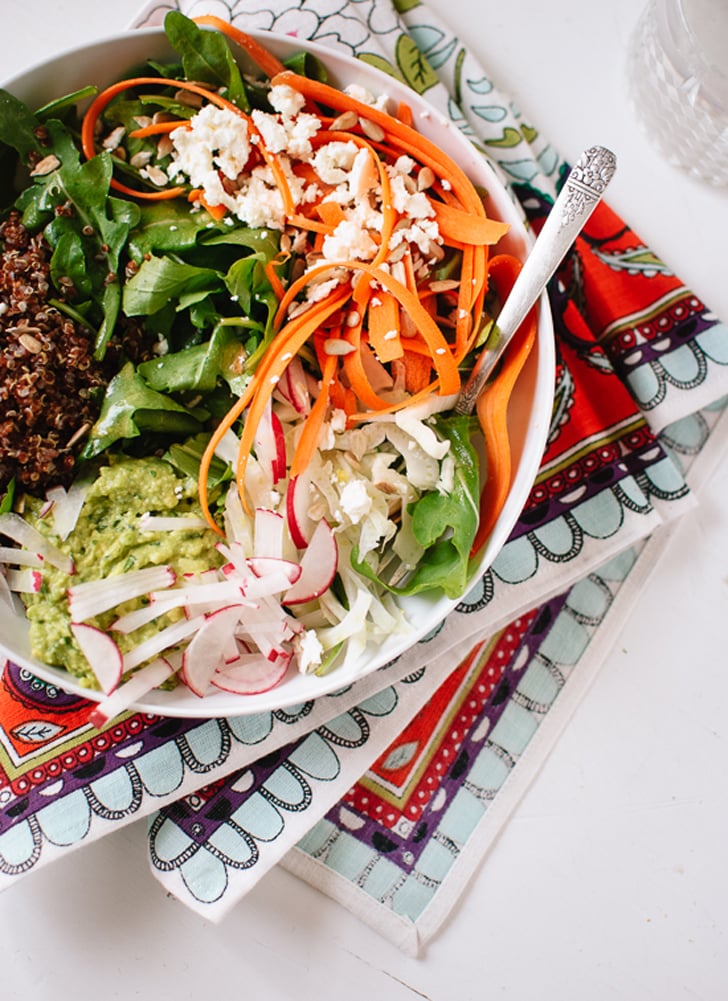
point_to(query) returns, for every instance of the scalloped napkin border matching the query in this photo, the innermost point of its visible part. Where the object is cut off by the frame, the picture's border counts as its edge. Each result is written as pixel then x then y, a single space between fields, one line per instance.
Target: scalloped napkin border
pixel 648 543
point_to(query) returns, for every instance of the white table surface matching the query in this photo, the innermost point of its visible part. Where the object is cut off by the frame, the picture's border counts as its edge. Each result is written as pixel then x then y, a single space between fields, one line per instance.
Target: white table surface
pixel 611 879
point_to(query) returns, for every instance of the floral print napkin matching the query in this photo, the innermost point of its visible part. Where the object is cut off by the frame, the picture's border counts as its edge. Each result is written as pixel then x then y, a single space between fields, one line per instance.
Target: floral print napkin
pixel 388 794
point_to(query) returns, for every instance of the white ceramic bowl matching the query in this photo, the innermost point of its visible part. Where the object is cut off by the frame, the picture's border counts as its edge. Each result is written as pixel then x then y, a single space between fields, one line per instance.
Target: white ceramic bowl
pixel 101 63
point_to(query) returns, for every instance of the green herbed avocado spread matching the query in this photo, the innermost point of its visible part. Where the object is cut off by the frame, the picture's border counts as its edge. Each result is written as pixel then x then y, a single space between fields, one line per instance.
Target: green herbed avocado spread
pixel 108 540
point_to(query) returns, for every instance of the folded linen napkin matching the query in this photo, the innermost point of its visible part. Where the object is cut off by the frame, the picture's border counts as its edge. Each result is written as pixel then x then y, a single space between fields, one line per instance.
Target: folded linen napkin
pixel 392 790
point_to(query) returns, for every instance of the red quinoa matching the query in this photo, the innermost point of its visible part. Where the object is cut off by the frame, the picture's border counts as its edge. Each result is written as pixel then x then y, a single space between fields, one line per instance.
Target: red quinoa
pixel 47 371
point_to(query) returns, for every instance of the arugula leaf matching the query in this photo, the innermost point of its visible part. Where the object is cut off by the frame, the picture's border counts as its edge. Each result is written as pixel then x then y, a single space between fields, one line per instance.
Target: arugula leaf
pixel 68 101
pixel 166 227
pixel 264 242
pixel 161 279
pixel 197 368
pixel 130 408
pixel 17 126
pixel 206 56
pixel 8 498
pixel 445 524
pixel 187 455
pixel 247 281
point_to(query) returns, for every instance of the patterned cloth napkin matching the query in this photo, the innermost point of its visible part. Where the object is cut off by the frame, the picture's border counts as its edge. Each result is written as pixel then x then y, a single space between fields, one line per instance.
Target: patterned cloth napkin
pixel 387 795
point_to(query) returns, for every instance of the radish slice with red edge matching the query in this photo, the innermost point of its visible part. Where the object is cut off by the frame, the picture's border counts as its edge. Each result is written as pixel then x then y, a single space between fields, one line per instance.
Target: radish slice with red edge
pixel 93 597
pixel 207 649
pixel 26 581
pixel 298 500
pixel 140 684
pixel 293 387
pixel 268 533
pixel 318 567
pixel 264 566
pixel 161 641
pixel 102 653
pixel 20 531
pixel 19 557
pixel 252 674
pixel 270 445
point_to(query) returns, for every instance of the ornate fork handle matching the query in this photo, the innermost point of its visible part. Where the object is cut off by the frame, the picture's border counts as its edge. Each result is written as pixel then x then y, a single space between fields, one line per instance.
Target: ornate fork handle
pixel 582 190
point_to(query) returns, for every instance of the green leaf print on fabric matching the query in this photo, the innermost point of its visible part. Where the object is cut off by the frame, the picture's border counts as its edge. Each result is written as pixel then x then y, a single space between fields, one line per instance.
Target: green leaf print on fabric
pixel 402 6
pixel 511 137
pixel 415 69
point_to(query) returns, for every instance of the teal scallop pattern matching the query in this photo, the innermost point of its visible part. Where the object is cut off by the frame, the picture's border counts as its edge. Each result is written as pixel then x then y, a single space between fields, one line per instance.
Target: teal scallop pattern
pixel 408 894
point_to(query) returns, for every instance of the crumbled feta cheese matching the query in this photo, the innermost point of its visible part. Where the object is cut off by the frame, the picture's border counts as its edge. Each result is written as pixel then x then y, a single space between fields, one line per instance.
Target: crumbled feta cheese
pixel 317 291
pixel 309 650
pixel 333 161
pixel 365 96
pixel 216 139
pixel 348 242
pixel 286 100
pixel 414 204
pixel 272 131
pixel 301 130
pixel 355 501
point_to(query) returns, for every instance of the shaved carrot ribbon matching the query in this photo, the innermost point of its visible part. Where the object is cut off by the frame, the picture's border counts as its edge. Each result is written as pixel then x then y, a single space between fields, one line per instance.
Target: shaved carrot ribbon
pixel 160 128
pixel 492 407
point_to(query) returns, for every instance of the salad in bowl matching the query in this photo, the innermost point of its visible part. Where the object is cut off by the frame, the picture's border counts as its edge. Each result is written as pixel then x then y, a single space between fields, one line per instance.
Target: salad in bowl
pixel 241 281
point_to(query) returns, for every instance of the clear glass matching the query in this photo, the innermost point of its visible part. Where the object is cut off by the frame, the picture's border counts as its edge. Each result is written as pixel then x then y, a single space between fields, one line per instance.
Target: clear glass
pixel 677 67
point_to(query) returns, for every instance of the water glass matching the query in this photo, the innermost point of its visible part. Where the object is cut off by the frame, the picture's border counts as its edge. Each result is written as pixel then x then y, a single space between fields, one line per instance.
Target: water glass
pixel 677 68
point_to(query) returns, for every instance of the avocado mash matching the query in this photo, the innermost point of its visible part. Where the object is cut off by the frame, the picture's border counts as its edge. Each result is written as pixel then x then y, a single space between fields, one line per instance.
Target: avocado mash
pixel 108 540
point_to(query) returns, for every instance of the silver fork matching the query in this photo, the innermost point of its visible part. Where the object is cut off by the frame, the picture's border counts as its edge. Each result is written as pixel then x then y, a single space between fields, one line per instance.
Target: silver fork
pixel 586 183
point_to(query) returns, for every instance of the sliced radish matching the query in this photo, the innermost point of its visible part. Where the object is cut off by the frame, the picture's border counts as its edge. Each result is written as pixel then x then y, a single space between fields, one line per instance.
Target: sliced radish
pixel 318 566
pixel 200 576
pixel 268 533
pixel 93 597
pixel 139 617
pixel 169 523
pixel 146 679
pixel 67 505
pixel 293 387
pixel 26 581
pixel 252 674
pixel 258 482
pixel 227 448
pixel 20 531
pixel 298 501
pixel 207 596
pixel 235 556
pixel 19 557
pixel 45 509
pixel 163 640
pixel 265 566
pixel 238 526
pixel 208 648
pixel 270 445
pixel 7 596
pixel 102 653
